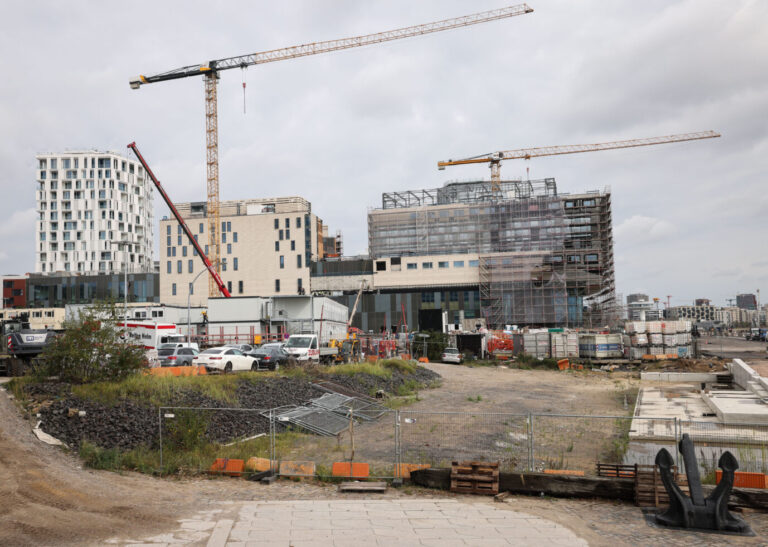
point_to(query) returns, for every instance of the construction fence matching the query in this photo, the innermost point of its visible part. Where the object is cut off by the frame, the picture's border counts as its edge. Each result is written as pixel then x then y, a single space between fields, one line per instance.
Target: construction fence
pixel 332 437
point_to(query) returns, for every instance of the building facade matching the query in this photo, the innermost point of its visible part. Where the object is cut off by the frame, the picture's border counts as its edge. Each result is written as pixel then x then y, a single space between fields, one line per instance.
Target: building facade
pixel 94 212
pixel 543 258
pixel 15 291
pixel 746 301
pixel 58 290
pixel 266 248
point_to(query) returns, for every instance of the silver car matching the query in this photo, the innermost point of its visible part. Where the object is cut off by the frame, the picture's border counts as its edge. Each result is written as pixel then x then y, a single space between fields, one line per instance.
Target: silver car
pixel 169 355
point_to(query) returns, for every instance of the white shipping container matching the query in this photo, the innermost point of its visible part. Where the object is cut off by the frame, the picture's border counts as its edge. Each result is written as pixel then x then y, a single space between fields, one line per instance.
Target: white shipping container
pixel 639 340
pixel 572 344
pixel 669 327
pixel 670 339
pixel 558 346
pixel 637 353
pixel 655 339
pixel 656 350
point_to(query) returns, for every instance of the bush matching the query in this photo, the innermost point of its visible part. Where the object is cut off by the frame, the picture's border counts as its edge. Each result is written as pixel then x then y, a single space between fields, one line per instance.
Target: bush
pixel 92 349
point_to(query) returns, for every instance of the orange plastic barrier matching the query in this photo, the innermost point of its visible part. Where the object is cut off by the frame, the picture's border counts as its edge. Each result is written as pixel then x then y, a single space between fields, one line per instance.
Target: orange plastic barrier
pixel 233 468
pixel 423 360
pixel 404 469
pixel 572 472
pixel 259 465
pixel 193 370
pixel 297 468
pixel 744 479
pixel 563 364
pixel 354 470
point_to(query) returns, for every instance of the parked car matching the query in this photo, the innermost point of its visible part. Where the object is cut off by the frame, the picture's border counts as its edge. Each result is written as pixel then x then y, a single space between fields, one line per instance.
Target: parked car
pixel 174 355
pixel 245 348
pixel 269 357
pixel 225 359
pixel 452 355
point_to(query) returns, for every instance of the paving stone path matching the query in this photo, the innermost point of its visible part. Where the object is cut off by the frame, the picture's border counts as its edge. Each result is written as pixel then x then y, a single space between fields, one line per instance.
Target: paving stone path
pixel 342 523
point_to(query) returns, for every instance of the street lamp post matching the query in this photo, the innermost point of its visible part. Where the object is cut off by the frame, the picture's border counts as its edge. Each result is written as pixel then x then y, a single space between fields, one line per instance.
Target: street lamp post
pixel 189 298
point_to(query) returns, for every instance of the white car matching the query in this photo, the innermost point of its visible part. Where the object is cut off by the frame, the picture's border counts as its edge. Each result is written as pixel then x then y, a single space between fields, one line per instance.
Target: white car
pixel 225 360
pixel 451 355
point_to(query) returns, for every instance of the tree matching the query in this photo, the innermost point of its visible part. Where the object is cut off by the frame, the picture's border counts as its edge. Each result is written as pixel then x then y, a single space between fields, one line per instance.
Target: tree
pixel 93 348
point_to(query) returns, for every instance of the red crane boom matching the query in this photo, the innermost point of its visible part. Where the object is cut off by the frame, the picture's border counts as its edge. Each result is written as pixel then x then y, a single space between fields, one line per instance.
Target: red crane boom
pixel 211 269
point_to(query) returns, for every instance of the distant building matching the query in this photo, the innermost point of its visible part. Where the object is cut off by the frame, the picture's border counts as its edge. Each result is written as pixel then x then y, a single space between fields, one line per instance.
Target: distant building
pixel 641 308
pixel 48 291
pixel 746 301
pixel 637 297
pixel 693 313
pixel 14 291
pixel 94 212
pixel 266 248
pixel 702 302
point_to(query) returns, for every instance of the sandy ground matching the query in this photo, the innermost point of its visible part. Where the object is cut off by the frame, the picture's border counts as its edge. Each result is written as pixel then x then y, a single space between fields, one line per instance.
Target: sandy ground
pixel 48 499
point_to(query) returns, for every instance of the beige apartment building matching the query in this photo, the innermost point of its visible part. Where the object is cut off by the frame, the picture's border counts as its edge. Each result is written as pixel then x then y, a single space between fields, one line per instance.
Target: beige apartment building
pixel 266 249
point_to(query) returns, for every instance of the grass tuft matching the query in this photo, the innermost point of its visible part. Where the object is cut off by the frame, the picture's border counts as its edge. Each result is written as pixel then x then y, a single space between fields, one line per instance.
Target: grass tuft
pixel 352 369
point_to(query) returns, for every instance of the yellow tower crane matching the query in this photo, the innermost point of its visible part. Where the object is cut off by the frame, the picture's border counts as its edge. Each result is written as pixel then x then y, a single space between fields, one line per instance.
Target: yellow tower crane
pixel 211 71
pixel 495 158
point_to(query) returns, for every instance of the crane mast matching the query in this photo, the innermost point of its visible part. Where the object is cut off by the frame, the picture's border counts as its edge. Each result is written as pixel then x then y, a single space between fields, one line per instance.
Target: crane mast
pixel 210 72
pixel 495 158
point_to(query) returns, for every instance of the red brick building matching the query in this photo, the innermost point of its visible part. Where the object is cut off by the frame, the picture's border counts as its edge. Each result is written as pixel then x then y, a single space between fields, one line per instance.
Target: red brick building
pixel 15 292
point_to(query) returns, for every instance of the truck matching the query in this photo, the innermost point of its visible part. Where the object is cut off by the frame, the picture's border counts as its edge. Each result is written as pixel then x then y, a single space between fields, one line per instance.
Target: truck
pixel 305 348
pixel 151 335
pixel 21 345
pixel 756 334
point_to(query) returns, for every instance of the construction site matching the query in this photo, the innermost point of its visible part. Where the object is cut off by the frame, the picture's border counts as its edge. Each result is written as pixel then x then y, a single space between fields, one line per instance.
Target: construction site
pixel 470 377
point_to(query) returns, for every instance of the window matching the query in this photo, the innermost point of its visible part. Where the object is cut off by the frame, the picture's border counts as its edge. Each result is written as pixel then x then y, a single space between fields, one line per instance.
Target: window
pixel 454 296
pixel 411 265
pixel 299 286
pixel 229 248
pixel 190 266
pixel 298 222
pixel 229 226
pixel 199 228
pixel 229 287
pixel 426 265
pixel 590 259
pixel 277 283
pixel 173 251
pixel 234 237
pixel 287 234
pixel 589 203
pixel 168 240
pixel 474 263
pixel 442 264
pixel 298 261
pixel 427 297
pixel 234 263
pixel 191 291
pixel 282 261
pixel 239 287
pixel 277 223
pixel 223 264
pixel 178 266
pixel 178 239
pixel 574 259
pixel 277 245
pixel 458 263
pixel 170 267
pixel 184 251
pixel 224 237
pixel 173 289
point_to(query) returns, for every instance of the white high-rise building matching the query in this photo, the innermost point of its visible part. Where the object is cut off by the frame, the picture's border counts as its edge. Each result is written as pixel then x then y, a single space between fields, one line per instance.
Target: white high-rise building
pixel 94 214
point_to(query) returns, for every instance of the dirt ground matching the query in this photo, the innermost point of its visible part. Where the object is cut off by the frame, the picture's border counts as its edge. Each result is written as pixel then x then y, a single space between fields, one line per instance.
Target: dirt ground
pixel 732 347
pixel 48 499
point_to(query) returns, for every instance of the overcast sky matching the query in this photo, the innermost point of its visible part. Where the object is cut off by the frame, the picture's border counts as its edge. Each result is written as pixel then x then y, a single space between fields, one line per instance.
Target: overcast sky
pixel 339 129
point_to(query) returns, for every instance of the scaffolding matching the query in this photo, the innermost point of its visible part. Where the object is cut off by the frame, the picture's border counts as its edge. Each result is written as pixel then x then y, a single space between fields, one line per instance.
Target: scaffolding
pixel 544 258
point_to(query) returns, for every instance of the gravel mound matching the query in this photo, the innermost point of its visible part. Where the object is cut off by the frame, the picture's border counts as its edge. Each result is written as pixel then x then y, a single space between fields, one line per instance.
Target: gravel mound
pixel 130 424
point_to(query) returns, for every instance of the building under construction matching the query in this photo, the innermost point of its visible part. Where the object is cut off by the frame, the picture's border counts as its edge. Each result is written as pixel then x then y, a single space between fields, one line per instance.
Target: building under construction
pixel 544 258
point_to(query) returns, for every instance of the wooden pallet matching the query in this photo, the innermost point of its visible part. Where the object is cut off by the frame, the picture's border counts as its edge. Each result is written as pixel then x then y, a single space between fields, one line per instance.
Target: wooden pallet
pixel 475 478
pixel 617 470
pixel 650 491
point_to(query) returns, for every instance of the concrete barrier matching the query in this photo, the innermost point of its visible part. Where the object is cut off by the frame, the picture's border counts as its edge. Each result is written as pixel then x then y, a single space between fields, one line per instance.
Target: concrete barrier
pixel 692 377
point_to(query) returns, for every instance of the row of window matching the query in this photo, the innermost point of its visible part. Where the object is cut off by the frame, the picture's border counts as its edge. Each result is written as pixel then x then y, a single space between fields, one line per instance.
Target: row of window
pixel 441 264
pixel 287 224
pixel 192 288
pixel 191 265
pixel 277 246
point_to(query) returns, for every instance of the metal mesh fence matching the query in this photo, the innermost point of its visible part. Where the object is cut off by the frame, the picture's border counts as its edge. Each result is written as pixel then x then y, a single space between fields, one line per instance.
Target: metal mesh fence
pixel 192 439
pixel 747 442
pixel 438 438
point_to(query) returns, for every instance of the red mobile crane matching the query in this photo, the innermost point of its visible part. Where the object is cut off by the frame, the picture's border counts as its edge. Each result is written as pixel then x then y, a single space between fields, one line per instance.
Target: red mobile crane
pixel 211 269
